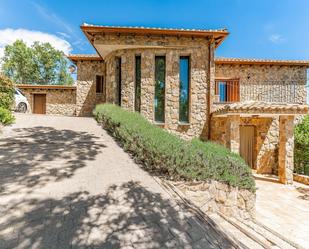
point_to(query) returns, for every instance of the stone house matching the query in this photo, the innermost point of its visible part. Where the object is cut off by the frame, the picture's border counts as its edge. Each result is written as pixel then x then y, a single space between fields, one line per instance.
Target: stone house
pixel 50 99
pixel 172 78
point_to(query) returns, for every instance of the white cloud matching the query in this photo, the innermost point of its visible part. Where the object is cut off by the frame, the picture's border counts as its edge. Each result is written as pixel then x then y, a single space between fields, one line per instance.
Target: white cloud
pixel 64 35
pixel 52 17
pixel 8 36
pixel 276 38
pixel 70 32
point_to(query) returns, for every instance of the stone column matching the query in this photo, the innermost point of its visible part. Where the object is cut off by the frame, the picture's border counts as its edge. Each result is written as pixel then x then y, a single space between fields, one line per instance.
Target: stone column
pixel 172 90
pixel 286 149
pixel 147 85
pixel 232 133
pixel 127 80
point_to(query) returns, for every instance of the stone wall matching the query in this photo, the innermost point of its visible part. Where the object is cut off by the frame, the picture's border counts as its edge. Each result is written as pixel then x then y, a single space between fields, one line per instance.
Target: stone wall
pixel 86 96
pixel 213 196
pixel 197 49
pixel 266 140
pixel 296 177
pixel 286 149
pixel 58 101
pixel 267 82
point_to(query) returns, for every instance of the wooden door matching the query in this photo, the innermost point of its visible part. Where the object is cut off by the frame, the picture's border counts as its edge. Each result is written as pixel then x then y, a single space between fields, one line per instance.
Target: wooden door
pixel 246 149
pixel 39 103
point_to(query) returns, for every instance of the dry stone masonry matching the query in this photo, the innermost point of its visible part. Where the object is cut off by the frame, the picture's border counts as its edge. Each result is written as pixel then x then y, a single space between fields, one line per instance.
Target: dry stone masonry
pixel 197 49
pixel 213 196
pixel 272 83
pixel 86 96
pixel 58 101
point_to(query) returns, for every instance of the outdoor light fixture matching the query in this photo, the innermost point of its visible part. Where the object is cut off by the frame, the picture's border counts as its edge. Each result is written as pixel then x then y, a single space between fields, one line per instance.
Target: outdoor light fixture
pixel 72 69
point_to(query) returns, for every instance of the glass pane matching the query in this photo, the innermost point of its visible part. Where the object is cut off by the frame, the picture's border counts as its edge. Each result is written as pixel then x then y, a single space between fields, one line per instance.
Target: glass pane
pixel 99 84
pixel 222 91
pixel 159 88
pixel 118 80
pixel 184 89
pixel 137 83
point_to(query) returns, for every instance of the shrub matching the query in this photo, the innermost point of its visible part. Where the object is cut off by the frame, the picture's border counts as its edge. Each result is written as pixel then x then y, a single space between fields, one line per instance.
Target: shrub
pixel 6 117
pixel 301 149
pixel 6 92
pixel 162 152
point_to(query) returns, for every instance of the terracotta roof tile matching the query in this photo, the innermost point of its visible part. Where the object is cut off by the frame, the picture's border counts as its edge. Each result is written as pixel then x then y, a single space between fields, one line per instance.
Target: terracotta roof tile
pixel 153 28
pixel 75 57
pixel 224 60
pixel 252 107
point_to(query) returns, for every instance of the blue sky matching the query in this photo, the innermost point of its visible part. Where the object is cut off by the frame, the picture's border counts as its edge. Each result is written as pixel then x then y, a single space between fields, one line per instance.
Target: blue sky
pixel 274 29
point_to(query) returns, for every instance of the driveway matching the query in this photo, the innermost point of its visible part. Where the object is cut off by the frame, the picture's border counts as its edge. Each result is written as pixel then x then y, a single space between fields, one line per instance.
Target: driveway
pixel 65 183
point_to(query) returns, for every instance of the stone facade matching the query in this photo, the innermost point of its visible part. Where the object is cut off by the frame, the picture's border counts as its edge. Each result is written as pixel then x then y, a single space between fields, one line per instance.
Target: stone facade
pixel 266 140
pixel 197 49
pixel 86 96
pixel 232 133
pixel 301 178
pixel 270 83
pixel 58 101
pixel 286 149
pixel 213 196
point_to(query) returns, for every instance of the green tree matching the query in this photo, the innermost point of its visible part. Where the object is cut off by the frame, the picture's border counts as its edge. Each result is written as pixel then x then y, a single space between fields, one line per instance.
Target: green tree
pixel 39 64
pixel 301 150
pixel 17 62
pixel 6 92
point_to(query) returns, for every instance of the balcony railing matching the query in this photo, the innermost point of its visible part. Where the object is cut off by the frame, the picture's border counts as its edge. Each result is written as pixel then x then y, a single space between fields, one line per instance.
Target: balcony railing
pixel 267 91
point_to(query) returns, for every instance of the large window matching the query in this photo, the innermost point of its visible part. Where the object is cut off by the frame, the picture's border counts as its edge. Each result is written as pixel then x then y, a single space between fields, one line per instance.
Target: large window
pixel 99 83
pixel 137 98
pixel 227 90
pixel 184 88
pixel 159 88
pixel 118 80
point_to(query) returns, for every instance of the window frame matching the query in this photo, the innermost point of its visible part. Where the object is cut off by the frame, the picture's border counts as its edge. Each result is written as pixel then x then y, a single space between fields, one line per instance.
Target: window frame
pixel 101 83
pixel 164 89
pixel 188 57
pixel 229 83
pixel 118 79
pixel 137 82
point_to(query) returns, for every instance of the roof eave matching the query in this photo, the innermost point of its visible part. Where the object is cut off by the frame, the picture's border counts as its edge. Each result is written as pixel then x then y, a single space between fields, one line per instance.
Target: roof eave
pixel 262 62
pixel 75 58
pixel 217 35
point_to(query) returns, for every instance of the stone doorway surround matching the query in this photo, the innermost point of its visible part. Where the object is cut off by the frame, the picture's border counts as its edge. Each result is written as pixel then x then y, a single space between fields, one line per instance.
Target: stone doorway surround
pixel 281 130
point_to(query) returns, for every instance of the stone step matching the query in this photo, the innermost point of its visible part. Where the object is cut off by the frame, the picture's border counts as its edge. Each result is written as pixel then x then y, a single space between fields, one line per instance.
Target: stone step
pixel 261 234
pixel 244 234
pixel 238 236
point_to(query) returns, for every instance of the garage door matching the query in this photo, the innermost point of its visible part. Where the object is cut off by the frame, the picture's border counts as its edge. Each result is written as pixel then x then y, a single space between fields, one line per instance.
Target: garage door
pixel 39 103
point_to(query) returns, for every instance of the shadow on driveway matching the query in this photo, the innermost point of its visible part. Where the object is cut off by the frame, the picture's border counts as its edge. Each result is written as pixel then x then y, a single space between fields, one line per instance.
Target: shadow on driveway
pixel 37 155
pixel 125 216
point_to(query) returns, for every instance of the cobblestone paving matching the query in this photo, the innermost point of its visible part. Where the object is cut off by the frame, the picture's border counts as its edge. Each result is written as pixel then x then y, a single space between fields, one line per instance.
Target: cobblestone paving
pixel 64 183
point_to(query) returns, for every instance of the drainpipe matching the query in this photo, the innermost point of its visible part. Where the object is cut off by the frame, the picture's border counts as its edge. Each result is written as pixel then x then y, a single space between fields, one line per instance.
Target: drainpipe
pixel 209 98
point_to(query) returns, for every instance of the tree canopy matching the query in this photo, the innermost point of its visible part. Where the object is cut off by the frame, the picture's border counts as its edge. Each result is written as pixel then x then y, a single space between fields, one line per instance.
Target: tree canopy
pixel 39 64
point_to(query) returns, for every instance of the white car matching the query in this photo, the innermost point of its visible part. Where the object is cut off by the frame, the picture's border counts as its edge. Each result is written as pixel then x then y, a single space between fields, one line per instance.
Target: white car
pixel 21 102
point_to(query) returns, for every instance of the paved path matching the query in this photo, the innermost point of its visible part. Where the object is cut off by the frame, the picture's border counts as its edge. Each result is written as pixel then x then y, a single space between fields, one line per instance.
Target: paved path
pixel 285 209
pixel 64 183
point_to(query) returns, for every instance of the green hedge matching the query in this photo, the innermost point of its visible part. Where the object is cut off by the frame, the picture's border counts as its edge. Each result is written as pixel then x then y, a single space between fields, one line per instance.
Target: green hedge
pixel 164 153
pixel 6 117
pixel 301 149
pixel 6 92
